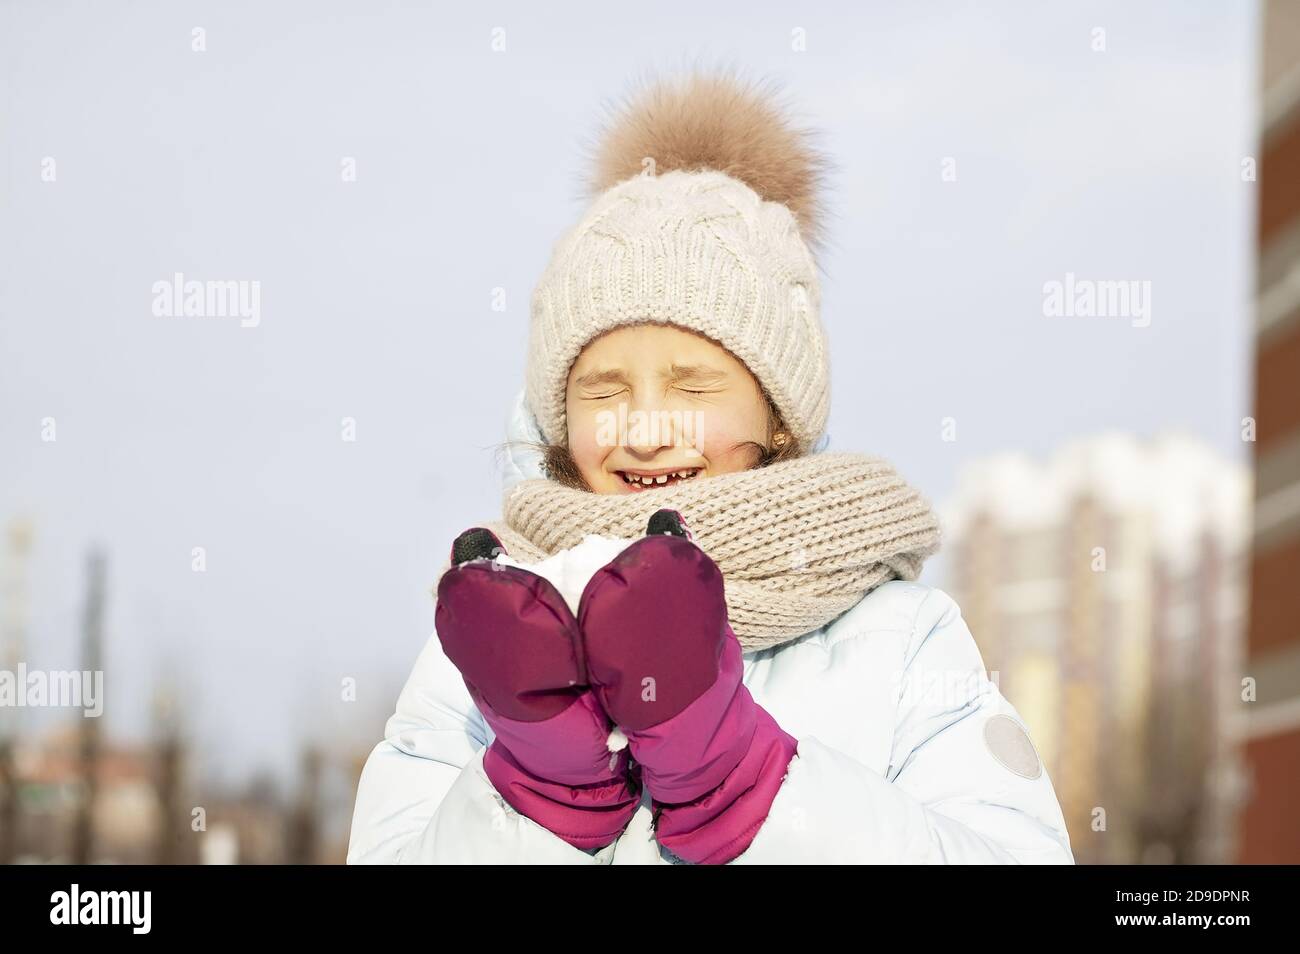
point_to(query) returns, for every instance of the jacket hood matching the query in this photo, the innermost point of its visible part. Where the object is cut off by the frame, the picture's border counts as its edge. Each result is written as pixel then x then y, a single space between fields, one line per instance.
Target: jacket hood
pixel 523 461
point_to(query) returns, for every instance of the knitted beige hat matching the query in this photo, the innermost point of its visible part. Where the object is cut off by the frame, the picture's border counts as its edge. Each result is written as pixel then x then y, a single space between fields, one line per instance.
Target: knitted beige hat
pixel 706 208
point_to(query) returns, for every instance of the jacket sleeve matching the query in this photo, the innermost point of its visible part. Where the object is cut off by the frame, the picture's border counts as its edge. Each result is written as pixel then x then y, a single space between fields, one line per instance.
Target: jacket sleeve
pixel 424 798
pixel 964 784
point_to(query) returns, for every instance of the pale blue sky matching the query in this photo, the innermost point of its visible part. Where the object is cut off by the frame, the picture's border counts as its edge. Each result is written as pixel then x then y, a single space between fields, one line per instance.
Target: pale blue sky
pixel 376 294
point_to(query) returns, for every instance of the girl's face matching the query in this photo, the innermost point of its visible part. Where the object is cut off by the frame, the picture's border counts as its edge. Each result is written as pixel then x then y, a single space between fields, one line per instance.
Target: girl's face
pixel 653 405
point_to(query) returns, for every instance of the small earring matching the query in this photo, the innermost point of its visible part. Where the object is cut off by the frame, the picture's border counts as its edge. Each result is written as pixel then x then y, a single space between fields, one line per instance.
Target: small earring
pixel 779 438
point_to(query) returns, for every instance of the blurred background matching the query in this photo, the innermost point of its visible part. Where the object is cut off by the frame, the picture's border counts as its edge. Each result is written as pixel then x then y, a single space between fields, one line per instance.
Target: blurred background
pixel 1062 294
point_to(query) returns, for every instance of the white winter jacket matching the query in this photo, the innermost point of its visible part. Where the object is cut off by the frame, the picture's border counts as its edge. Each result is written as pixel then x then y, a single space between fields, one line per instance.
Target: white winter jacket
pixel 907 753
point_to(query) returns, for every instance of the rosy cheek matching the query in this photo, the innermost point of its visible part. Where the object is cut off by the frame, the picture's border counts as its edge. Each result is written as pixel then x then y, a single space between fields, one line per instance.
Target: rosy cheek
pixel 586 450
pixel 722 443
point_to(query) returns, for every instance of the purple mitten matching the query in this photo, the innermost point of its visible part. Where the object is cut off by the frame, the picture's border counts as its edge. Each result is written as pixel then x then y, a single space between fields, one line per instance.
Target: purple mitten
pixel 667 668
pixel 516 644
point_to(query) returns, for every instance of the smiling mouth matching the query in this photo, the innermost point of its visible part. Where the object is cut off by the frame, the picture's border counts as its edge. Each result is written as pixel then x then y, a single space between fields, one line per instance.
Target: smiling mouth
pixel 643 481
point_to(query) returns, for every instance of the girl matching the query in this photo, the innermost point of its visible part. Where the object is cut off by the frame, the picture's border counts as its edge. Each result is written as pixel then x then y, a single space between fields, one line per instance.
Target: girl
pixel 694 636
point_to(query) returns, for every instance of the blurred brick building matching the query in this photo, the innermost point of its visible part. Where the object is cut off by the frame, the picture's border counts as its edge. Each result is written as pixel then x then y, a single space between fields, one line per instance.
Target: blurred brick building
pixel 1269 830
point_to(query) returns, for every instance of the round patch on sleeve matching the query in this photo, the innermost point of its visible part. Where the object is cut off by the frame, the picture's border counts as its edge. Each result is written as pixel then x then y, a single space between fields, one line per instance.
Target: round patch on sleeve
pixel 1009 743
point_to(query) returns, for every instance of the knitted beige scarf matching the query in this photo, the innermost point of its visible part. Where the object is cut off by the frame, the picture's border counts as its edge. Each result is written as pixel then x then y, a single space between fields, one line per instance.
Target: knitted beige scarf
pixel 799 542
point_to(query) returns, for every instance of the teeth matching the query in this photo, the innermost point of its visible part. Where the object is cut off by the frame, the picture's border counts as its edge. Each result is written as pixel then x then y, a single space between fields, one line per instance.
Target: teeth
pixel 660 479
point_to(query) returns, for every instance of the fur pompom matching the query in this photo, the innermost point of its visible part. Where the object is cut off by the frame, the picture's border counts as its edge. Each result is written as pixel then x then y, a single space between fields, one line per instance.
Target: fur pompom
pixel 715 121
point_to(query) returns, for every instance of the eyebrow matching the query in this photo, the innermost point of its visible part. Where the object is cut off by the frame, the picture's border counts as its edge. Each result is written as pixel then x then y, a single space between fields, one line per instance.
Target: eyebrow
pixel 611 376
pixel 700 373
pixel 696 372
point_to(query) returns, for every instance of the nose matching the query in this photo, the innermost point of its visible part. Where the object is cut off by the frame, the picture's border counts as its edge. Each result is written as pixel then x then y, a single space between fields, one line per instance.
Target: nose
pixel 650 429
